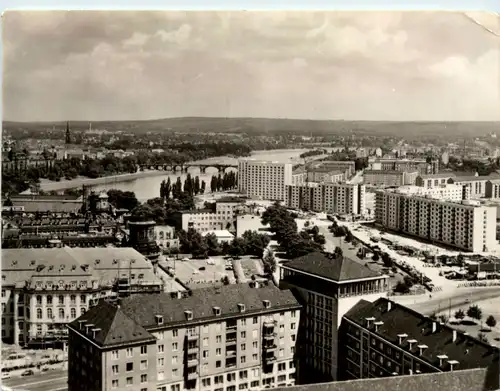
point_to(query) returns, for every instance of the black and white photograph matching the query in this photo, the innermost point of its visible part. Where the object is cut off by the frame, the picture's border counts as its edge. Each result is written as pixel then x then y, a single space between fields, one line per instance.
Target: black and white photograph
pixel 250 201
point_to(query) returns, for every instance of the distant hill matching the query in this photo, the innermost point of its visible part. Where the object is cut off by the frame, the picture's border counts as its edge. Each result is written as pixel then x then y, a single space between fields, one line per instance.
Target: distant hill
pixel 274 126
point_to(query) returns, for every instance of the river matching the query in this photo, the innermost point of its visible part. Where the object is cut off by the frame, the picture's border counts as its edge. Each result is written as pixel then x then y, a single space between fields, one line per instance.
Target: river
pixel 149 186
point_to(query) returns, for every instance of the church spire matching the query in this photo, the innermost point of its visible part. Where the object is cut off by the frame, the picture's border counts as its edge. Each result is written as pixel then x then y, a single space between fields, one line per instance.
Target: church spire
pixel 68 135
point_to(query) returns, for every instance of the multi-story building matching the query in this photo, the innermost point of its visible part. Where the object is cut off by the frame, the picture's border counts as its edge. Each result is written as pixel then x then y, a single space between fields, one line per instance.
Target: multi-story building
pixel 299 177
pixel 325 174
pixel 383 338
pixel 434 180
pixel 346 167
pixel 476 184
pixel 165 237
pixel 204 220
pixel 342 198
pixel 327 286
pixel 264 179
pixel 441 217
pixel 44 289
pixel 405 165
pixel 492 188
pixel 389 178
pixel 233 337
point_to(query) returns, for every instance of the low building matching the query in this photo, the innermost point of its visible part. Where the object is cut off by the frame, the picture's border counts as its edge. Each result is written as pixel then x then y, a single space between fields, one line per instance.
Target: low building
pixel 222 235
pixel 233 337
pixel 410 165
pixel 346 167
pixel 252 223
pixel 45 204
pixel 383 338
pixel 389 178
pixel 44 289
pixel 434 180
pixel 165 237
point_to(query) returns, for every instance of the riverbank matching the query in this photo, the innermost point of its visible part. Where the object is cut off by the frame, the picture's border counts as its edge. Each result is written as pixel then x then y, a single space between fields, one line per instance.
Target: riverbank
pixel 64 184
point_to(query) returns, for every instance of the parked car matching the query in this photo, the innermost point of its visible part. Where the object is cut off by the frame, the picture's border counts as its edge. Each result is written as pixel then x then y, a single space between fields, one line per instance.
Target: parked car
pixel 28 372
pixel 202 268
pixel 5 375
pixel 45 369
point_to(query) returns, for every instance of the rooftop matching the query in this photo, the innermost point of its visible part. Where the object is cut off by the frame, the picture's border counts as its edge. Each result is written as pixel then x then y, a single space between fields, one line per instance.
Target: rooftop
pixel 231 200
pixel 468 380
pixel 326 265
pixel 138 313
pixel 73 264
pixel 400 320
pixel 438 176
pixel 220 233
pixel 384 172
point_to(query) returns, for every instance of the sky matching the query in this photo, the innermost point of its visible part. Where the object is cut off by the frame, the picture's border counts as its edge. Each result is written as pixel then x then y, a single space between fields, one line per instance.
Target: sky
pixel 393 66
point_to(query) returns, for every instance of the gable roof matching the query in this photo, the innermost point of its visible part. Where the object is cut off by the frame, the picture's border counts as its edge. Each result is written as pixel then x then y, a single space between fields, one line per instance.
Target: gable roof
pixel 115 326
pixel 397 319
pixel 328 266
pixel 468 380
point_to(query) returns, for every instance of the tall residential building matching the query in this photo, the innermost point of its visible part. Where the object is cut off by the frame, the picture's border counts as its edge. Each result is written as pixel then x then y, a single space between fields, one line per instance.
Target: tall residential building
pixel 440 216
pixel 45 289
pixel 233 337
pixel 264 179
pixel 339 198
pixel 327 286
pixel 383 338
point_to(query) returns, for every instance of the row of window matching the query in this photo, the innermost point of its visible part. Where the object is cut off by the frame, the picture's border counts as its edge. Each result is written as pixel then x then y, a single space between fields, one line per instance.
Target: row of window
pixel 129 382
pixel 61 299
pixel 61 313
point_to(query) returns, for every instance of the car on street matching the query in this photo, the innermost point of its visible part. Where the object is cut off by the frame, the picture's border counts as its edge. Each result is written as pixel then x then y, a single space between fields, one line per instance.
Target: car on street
pixel 5 375
pixel 28 372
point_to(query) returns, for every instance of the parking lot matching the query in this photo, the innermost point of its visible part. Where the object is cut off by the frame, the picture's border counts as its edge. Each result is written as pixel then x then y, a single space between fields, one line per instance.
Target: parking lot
pixel 200 273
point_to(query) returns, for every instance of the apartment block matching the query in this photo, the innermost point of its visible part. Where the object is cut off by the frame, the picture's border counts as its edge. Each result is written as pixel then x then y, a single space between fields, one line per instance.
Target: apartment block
pixel 264 180
pixel 422 166
pixel 45 289
pixel 325 174
pixel 346 167
pixel 229 338
pixel 204 220
pixel 385 339
pixel 299 177
pixel 492 189
pixel 327 286
pixel 439 216
pixel 435 180
pixel 389 178
pixel 339 198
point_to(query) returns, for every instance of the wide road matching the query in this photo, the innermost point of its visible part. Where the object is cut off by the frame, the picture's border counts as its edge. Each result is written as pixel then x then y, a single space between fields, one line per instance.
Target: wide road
pixel 460 297
pixel 53 380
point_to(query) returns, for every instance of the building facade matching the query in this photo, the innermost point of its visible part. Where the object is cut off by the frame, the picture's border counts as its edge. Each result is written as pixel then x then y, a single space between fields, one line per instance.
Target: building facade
pixel 234 337
pixel 443 217
pixel 493 189
pixel 341 198
pixel 383 338
pixel 165 237
pixel 434 180
pixel 327 287
pixel 422 166
pixel 264 180
pixel 346 167
pixel 389 178
pixel 322 174
pixel 45 289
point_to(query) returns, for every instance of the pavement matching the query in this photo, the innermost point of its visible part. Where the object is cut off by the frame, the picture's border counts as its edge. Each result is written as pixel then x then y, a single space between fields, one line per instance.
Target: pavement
pixel 54 380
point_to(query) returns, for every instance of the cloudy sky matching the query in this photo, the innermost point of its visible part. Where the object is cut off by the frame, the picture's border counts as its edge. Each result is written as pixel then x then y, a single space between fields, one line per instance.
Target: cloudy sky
pixel 315 65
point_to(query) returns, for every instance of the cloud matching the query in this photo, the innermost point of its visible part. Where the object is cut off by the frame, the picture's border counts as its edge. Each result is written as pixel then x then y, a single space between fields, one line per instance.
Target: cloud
pixel 352 65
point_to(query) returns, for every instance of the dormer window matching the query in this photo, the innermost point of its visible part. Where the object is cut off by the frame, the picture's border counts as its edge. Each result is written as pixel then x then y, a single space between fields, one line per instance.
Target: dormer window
pixel 241 307
pixel 267 303
pixel 189 315
pixel 159 319
pixel 217 311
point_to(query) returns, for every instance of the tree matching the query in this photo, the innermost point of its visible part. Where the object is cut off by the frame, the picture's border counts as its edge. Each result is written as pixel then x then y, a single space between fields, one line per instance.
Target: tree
pixel 475 312
pixel 482 337
pixel 255 243
pixel 188 185
pixel 212 244
pixel 459 315
pixel 338 252
pixel 349 237
pixel 375 256
pixel 388 262
pixel 197 187
pixel 270 263
pixel 443 318
pixel 167 188
pixel 122 199
pixel 203 187
pixel 491 321
pixel 237 247
pixel 434 316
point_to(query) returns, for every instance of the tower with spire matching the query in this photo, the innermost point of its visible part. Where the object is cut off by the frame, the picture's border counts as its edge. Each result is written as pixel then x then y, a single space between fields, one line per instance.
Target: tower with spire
pixel 68 135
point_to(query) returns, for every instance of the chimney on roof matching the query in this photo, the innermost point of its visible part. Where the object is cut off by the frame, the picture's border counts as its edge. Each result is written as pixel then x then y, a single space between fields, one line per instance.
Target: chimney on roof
pixel 241 307
pixel 81 322
pixel 267 303
pixel 434 327
pixel 442 357
pixel 389 305
pixel 454 336
pixel 88 326
pixel 189 315
pixel 377 324
pixel 453 364
pixel 95 331
pixel 421 349
pixel 411 342
pixel 369 321
pixel 159 319
pixel 401 338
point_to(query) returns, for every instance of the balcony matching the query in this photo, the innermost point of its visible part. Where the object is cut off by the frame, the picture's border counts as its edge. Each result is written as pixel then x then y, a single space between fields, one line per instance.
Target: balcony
pixel 269 323
pixel 269 336
pixel 269 346
pixel 192 337
pixel 192 363
pixel 230 353
pixel 192 350
pixel 269 359
pixel 192 376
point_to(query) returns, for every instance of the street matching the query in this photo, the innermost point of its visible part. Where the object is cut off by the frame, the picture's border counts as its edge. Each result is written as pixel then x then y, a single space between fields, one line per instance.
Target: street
pixel 54 380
